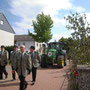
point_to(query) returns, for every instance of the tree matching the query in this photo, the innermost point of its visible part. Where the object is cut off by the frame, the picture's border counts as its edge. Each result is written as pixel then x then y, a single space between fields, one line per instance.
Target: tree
pixel 67 43
pixel 81 29
pixel 9 49
pixel 42 28
pixel 64 42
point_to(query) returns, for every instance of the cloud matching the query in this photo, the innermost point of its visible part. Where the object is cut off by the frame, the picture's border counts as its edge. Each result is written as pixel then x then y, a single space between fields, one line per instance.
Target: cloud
pixel 78 9
pixel 19 30
pixel 59 22
pixel 58 36
pixel 53 6
pixel 27 10
pixel 88 17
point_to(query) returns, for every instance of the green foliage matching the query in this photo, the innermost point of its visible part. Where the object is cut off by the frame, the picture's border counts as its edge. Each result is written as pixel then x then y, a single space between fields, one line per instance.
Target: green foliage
pixel 42 28
pixel 81 30
pixel 67 43
pixel 9 49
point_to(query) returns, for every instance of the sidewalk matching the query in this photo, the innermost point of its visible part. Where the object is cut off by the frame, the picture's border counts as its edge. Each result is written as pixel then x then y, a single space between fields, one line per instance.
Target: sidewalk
pixel 47 79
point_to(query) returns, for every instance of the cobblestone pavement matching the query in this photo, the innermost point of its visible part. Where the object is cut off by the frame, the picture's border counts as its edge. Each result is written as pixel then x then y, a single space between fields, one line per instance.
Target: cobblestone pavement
pixel 47 79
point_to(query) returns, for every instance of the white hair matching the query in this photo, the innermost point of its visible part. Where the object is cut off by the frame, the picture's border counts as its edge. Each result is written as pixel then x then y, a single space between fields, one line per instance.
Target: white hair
pixel 22 46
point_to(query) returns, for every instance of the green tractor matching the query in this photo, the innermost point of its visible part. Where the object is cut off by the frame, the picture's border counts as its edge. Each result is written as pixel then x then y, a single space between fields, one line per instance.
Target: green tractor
pixel 54 55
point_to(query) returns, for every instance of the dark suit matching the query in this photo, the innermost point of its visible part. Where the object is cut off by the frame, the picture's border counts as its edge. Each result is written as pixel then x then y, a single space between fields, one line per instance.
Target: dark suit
pixel 12 62
pixel 3 63
pixel 35 63
pixel 23 64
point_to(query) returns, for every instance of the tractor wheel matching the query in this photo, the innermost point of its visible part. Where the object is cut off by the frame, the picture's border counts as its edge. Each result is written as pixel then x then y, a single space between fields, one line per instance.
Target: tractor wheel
pixel 65 59
pixel 60 62
pixel 43 60
pixel 64 63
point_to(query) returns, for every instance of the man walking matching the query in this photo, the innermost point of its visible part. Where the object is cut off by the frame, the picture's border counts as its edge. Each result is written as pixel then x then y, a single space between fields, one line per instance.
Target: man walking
pixel 3 62
pixel 13 60
pixel 35 63
pixel 23 64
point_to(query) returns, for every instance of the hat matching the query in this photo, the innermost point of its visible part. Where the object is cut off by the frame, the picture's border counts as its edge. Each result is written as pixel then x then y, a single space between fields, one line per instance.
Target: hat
pixel 32 47
pixel 2 46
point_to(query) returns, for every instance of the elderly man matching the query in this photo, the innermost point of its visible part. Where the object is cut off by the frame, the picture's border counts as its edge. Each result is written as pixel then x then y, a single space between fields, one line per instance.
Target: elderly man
pixel 23 65
pixel 3 62
pixel 13 60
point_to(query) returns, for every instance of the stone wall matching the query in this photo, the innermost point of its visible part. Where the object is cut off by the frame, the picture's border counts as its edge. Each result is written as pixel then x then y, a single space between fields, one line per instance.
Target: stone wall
pixel 83 77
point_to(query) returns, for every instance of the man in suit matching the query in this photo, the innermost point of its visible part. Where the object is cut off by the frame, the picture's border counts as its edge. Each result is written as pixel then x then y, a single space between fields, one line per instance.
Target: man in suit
pixel 13 60
pixel 35 63
pixel 3 62
pixel 23 66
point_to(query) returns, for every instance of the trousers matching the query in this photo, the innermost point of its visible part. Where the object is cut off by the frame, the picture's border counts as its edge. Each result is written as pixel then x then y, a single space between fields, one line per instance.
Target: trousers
pixel 34 72
pixel 23 83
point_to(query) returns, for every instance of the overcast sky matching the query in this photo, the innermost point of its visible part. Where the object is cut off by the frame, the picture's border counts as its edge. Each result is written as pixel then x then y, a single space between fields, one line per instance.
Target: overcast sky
pixel 20 13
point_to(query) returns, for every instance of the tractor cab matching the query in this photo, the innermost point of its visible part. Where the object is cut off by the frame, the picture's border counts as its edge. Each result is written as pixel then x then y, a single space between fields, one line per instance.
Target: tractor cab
pixel 55 54
pixel 55 47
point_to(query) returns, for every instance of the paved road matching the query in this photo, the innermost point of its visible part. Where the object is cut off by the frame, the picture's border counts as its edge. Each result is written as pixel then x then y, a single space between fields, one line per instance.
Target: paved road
pixel 47 79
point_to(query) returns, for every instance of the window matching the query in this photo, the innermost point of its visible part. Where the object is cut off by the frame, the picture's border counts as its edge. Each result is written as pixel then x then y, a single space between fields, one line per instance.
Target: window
pixel 23 43
pixel 37 44
pixel 1 22
pixel 40 45
pixel 18 44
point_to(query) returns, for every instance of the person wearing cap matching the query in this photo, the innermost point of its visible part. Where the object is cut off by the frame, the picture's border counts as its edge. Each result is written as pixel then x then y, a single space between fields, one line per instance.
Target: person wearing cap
pixel 35 63
pixel 23 66
pixel 13 60
pixel 3 62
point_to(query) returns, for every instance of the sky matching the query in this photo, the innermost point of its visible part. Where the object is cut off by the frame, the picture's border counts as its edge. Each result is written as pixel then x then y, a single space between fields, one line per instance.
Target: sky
pixel 20 14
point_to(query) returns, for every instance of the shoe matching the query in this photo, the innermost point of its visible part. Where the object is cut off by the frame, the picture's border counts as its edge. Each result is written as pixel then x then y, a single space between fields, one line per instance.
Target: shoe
pixel 25 85
pixel 6 76
pixel 14 79
pixel 1 78
pixel 33 83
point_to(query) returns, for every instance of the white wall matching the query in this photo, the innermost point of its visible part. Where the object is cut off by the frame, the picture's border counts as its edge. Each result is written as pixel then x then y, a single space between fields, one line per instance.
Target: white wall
pixel 28 44
pixel 6 38
pixel 38 47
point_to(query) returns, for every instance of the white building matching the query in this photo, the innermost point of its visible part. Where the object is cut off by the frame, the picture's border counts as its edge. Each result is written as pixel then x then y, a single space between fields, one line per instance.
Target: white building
pixel 6 32
pixel 28 42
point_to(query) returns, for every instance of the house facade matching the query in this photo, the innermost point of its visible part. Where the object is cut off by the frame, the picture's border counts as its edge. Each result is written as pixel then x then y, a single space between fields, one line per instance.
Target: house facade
pixel 28 42
pixel 6 32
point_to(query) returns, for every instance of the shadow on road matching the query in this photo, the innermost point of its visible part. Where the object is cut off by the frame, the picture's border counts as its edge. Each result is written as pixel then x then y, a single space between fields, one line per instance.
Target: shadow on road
pixel 49 67
pixel 8 84
pixel 5 81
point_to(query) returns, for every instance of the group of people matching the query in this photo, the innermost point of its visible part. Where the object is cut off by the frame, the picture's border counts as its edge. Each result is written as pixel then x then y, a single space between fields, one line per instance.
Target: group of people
pixel 21 62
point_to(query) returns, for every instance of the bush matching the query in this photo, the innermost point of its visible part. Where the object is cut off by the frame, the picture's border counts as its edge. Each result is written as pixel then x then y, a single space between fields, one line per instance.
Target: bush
pixel 81 30
pixel 9 49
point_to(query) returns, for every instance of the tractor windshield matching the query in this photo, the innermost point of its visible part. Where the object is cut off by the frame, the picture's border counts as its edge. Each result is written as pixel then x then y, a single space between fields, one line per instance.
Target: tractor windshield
pixel 56 46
